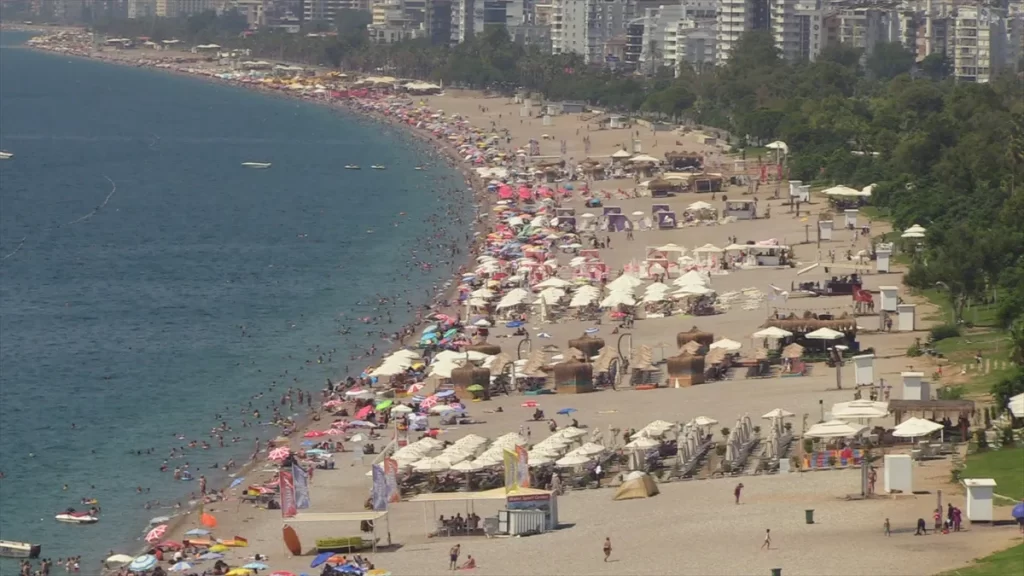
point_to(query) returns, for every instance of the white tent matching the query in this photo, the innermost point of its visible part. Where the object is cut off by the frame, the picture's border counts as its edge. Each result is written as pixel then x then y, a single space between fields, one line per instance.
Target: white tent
pixel 844 191
pixel 834 429
pixel 772 332
pixel 644 158
pixel 915 427
pixel 1016 405
pixel 727 345
pixel 824 334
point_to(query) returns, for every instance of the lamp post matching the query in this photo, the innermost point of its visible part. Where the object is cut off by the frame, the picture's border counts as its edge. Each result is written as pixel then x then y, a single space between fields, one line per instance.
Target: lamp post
pixel 821 406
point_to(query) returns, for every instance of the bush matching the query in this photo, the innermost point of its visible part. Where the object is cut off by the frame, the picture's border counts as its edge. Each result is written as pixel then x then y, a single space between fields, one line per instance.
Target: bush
pixel 944 331
pixel 808 445
pixel 720 449
pixel 914 351
pixel 951 392
pixel 980 440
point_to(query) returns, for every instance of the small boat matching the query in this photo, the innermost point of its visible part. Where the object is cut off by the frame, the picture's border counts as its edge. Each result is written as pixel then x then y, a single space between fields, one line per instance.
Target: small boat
pixel 5 155
pixel 378 167
pixel 256 165
pixel 420 168
pixel 72 517
pixel 351 167
pixel 12 549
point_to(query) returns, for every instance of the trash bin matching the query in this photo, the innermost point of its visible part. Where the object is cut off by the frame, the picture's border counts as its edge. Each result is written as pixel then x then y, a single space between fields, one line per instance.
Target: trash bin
pixel 776 571
pixel 809 516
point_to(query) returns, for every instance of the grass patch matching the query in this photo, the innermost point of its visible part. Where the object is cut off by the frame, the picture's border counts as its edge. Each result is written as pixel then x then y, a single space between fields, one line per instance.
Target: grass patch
pixel 977 314
pixel 1006 467
pixel 993 345
pixel 1010 561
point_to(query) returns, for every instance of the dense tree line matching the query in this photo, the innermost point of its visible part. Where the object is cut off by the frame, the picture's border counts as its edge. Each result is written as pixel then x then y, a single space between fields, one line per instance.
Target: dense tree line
pixel 946 155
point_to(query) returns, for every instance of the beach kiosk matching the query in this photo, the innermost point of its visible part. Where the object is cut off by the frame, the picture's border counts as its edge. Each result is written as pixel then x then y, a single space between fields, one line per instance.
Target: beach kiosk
pixel 794 188
pixel 825 230
pixel 851 217
pixel 890 297
pixel 864 369
pixel 882 254
pixel 915 387
pixel 907 316
pixel 899 473
pixel 522 510
pixel 979 498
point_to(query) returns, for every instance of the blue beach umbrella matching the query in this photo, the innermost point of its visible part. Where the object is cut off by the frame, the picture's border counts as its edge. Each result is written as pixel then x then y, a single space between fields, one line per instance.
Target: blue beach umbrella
pixel 429 329
pixel 320 559
pixel 197 532
pixel 237 481
pixel 256 566
pixel 1018 511
pixel 444 393
pixel 211 556
pixel 181 567
pixel 566 411
pixel 143 563
pixel 592 330
pixel 514 324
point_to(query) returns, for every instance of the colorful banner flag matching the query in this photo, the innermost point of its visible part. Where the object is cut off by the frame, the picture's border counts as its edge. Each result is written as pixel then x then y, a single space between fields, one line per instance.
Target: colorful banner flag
pixel 523 467
pixel 394 494
pixel 301 487
pixel 511 471
pixel 287 485
pixel 379 493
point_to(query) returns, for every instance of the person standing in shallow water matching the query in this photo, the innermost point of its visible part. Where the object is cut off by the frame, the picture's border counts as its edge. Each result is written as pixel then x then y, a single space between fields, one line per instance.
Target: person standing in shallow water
pixel 607 548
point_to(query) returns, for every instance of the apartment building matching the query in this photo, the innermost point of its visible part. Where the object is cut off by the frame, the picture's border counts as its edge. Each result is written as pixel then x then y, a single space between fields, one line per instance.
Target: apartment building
pixel 979 37
pixel 735 18
pixel 798 28
pixel 585 26
pixel 471 17
pixel 176 8
pixel 326 10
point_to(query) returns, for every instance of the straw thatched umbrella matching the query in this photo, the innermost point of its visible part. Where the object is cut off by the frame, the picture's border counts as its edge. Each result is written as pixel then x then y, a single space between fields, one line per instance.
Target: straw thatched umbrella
pixel 587 344
pixel 466 376
pixel 685 370
pixel 695 335
pixel 485 347
pixel 693 348
pixel 793 351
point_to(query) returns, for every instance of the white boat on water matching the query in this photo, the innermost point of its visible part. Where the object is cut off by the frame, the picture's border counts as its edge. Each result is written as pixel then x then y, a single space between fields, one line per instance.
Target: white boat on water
pixel 76 518
pixel 419 167
pixel 256 165
pixel 5 155
pixel 351 167
pixel 12 549
pixel 378 167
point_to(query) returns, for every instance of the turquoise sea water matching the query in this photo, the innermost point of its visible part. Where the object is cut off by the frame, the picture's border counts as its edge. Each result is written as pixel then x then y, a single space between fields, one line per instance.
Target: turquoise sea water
pixel 129 323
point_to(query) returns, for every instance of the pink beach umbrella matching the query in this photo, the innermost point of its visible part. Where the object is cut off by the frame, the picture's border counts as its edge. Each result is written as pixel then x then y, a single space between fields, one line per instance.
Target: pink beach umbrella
pixel 332 403
pixel 334 432
pixel 156 534
pixel 279 453
pixel 364 412
pixel 428 403
pixel 314 434
pixel 415 388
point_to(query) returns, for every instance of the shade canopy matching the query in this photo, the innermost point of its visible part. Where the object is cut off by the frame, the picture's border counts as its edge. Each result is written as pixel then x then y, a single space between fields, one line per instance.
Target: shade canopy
pixel 778 413
pixel 860 410
pixel 773 332
pixel 727 345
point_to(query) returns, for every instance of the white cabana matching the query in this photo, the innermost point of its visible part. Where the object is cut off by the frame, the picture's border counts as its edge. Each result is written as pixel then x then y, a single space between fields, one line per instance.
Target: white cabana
pixel 824 334
pixel 834 429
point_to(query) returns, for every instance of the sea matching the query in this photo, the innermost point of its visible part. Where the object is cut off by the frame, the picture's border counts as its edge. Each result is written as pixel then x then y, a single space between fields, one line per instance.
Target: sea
pixel 151 286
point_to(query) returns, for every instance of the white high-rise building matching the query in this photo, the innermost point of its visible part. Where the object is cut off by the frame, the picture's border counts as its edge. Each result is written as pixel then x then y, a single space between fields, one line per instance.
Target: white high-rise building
pixel 141 9
pixel 979 37
pixel 175 8
pixel 798 28
pixel 471 17
pixel 736 18
pixel 585 26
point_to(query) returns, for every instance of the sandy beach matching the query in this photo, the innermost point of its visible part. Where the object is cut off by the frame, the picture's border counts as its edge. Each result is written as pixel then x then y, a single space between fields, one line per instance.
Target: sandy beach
pixel 691 527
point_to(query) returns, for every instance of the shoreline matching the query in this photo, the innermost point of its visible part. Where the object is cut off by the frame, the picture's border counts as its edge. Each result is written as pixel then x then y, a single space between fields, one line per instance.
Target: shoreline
pixel 473 186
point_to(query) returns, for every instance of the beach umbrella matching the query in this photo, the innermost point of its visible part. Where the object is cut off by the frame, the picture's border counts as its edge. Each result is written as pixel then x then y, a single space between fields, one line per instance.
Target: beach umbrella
pixel 777 413
pixel 143 563
pixel 401 409
pixel 156 534
pixel 159 520
pixel 445 393
pixel 170 545
pixel 119 559
pixel 211 556
pixel 282 573
pixel 1018 511
pixel 200 531
pixel 218 548
pixel 181 567
pixel 643 443
pixel 314 434
pixel 704 421
pixel 279 453
pixel 573 460
pixel 255 566
pixel 209 520
pixel 566 411
pixel 384 405
pixel 239 572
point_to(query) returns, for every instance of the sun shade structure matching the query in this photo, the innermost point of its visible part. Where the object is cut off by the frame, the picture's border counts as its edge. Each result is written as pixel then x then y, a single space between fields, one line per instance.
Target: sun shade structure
pixel 834 429
pixel 824 334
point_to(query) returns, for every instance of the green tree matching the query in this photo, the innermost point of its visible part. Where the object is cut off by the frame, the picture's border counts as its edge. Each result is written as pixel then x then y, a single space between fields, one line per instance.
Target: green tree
pixel 936 66
pixel 888 60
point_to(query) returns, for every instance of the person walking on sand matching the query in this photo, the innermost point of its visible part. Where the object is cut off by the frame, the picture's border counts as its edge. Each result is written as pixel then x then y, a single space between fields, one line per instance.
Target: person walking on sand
pixel 888 531
pixel 767 540
pixel 737 491
pixel 607 548
pixel 453 557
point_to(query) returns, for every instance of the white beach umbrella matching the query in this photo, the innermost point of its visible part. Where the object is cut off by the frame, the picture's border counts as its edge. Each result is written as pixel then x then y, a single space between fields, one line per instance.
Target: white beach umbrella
pixel 916 427
pixel 834 429
pixel 773 332
pixel 431 465
pixel 708 249
pixel 553 282
pixel 538 460
pixel 824 334
pixel 483 293
pixel 777 413
pixel 471 440
pixel 618 299
pixel 571 432
pixel 691 278
pixel 467 466
pixel 625 281
pixel 401 409
pixel 643 443
pixel 727 345
pixel 589 449
pixel 574 460
pixel 704 421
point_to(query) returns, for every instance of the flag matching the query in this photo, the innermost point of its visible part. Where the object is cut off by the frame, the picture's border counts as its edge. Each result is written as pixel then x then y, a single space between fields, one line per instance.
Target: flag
pixel 287 485
pixel 511 471
pixel 379 493
pixel 394 494
pixel 523 467
pixel 301 487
